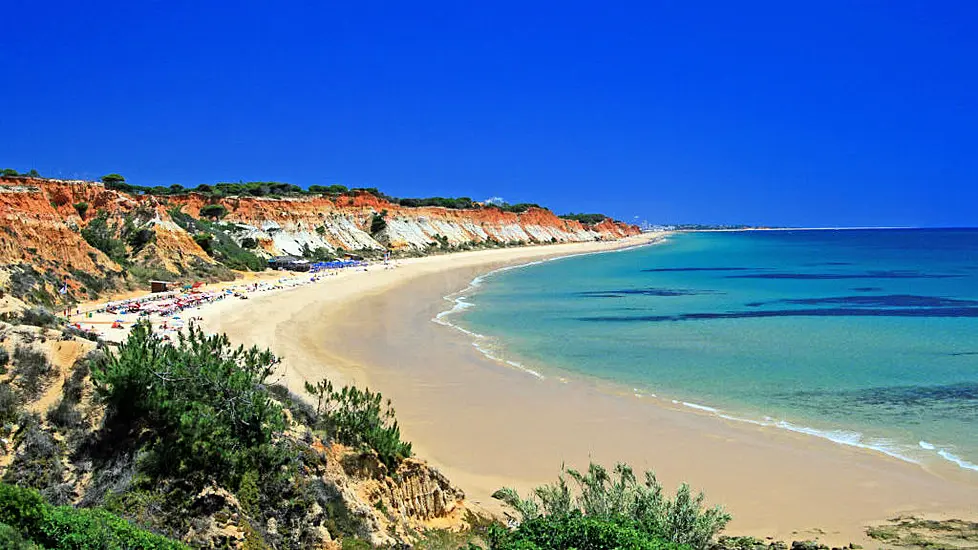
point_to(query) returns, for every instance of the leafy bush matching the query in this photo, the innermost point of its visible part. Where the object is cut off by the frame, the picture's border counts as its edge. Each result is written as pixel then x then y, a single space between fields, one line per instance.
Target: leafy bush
pixel 65 414
pixel 38 317
pixel 4 359
pixel 136 237
pixel 249 243
pixel 9 404
pixel 12 540
pixel 378 223
pixel 622 500
pixel 586 219
pixel 204 241
pixel 219 244
pixel 100 234
pixel 328 190
pixel 577 531
pixel 360 418
pixel 38 463
pixel 199 404
pixel 81 208
pixel 460 203
pixel 214 211
pixel 31 369
pixel 65 527
pixel 118 183
pixel 319 254
pixel 517 208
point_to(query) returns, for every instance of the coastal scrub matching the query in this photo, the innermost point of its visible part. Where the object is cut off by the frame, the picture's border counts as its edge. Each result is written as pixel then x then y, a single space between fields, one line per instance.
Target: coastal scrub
pixel 608 510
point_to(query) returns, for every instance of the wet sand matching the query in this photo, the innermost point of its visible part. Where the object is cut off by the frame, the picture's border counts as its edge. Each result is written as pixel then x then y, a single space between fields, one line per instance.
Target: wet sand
pixel 487 425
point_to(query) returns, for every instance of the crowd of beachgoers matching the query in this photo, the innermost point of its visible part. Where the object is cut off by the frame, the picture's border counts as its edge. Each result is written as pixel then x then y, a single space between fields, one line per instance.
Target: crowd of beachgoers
pixel 170 311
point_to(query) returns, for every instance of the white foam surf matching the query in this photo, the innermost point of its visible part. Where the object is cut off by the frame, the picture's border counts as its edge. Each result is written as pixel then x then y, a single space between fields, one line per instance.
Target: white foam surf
pixel 700 407
pixel 958 460
pixel 950 457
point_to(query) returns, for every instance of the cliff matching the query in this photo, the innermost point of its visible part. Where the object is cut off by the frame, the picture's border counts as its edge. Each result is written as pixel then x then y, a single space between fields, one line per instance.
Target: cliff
pixel 53 439
pixel 101 240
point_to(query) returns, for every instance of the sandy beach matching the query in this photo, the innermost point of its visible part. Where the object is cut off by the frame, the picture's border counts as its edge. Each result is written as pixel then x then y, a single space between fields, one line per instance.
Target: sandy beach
pixel 487 425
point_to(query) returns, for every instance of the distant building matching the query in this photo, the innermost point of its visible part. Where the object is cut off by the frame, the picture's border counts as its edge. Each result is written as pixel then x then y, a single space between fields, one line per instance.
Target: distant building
pixel 160 286
pixel 290 263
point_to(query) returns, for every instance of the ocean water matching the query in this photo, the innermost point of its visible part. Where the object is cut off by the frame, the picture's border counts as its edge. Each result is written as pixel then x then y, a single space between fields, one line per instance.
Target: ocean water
pixel 865 337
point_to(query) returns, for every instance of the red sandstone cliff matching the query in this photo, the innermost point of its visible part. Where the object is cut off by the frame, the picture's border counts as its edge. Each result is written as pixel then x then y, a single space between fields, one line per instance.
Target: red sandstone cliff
pixel 42 241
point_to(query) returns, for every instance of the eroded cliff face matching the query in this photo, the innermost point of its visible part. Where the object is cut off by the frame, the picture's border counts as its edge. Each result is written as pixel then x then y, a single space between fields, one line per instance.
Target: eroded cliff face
pixel 49 445
pixel 287 225
pixel 44 223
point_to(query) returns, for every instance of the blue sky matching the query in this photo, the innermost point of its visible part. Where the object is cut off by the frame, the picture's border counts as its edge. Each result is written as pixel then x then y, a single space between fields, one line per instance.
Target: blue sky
pixel 788 113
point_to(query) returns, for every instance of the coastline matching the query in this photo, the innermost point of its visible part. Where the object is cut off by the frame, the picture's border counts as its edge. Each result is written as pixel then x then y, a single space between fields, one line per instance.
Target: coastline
pixel 487 426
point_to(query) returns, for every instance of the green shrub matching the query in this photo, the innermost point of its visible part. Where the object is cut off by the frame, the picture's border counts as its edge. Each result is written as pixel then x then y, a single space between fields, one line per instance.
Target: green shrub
pixel 578 531
pixel 37 463
pixel 65 527
pixel 213 211
pixel 249 493
pixel 453 203
pixel 9 404
pixel 137 239
pixel 360 418
pixel 81 208
pixel 219 243
pixel 249 243
pixel 621 499
pixel 378 223
pixel 31 369
pixel 328 189
pixel 10 539
pixel 65 414
pixel 200 405
pixel 319 254
pixel 100 234
pixel 586 219
pixel 38 317
pixel 517 208
pixel 204 240
pixel 354 543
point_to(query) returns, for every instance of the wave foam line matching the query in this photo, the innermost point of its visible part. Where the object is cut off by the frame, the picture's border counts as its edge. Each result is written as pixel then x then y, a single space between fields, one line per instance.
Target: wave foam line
pixel 841 437
pixel 515 364
pixel 459 303
pixel 700 407
pixel 946 455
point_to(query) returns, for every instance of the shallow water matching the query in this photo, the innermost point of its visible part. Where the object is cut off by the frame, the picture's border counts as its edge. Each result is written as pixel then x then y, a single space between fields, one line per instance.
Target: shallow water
pixel 866 337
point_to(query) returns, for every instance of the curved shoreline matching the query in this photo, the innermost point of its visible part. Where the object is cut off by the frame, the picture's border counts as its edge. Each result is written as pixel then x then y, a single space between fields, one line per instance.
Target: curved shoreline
pixel 840 436
pixel 487 427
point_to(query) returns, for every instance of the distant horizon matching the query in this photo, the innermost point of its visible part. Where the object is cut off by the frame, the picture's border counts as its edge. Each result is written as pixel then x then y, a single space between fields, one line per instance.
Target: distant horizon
pixel 765 114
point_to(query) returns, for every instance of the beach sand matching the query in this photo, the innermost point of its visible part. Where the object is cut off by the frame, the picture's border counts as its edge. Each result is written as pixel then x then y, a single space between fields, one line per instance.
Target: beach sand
pixel 488 425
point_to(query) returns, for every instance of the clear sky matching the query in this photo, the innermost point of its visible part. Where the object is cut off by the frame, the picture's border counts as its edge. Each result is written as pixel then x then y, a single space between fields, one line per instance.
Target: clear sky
pixel 791 113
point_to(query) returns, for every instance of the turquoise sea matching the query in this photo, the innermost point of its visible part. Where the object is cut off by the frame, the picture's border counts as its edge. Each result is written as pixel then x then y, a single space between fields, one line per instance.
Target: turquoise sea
pixel 865 337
